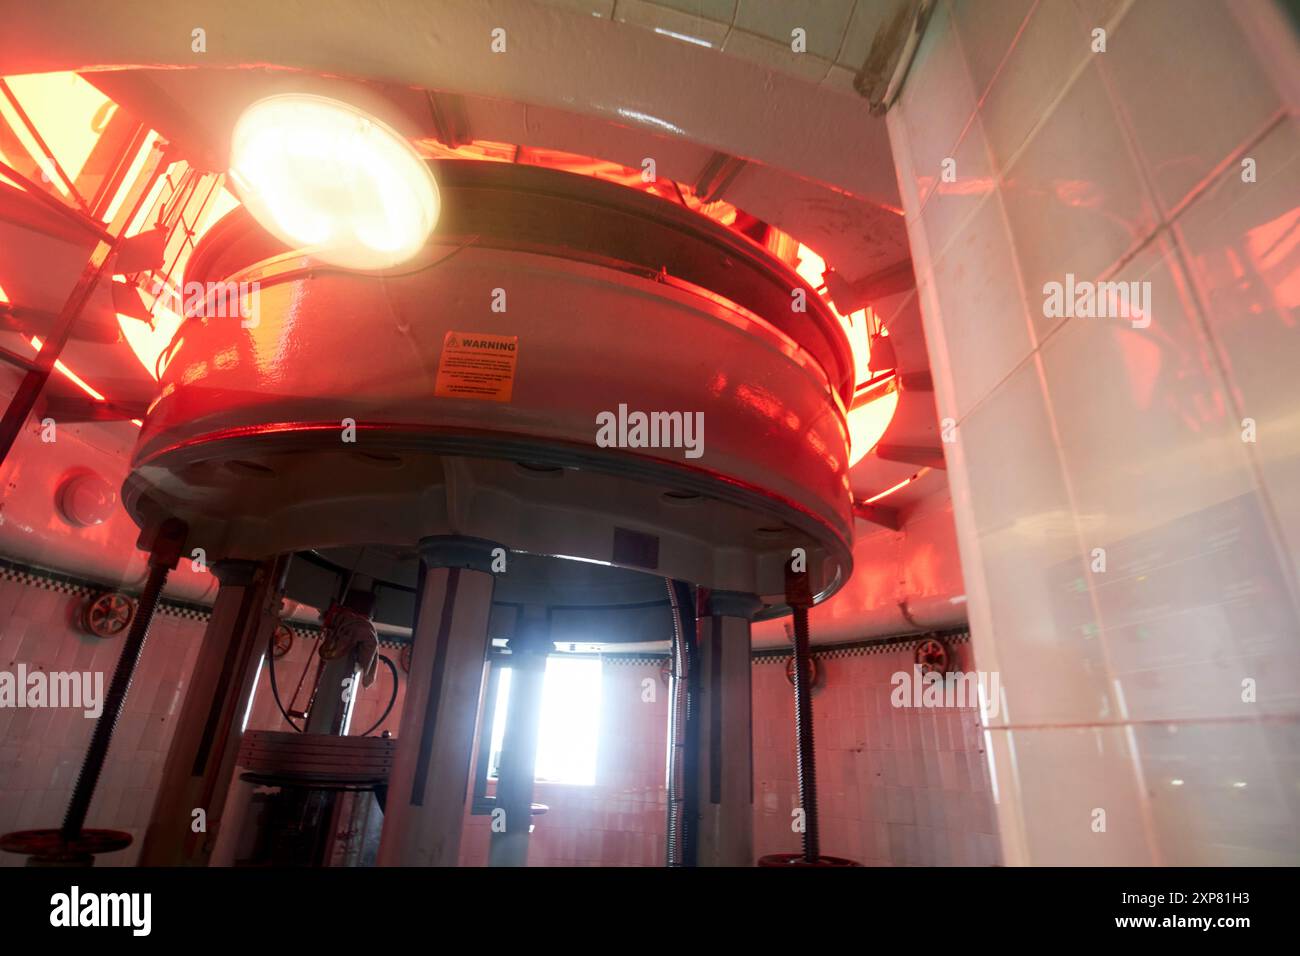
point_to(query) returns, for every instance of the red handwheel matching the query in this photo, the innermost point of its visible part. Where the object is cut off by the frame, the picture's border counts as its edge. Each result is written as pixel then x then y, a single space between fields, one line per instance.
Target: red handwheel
pixel 108 615
pixel 281 641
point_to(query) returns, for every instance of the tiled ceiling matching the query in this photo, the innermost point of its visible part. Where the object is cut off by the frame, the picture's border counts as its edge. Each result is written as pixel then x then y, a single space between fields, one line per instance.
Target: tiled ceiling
pixel 838 33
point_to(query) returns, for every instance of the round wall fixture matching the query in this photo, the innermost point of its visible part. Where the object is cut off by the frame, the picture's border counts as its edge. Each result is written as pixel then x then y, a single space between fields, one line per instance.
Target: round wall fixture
pixel 108 615
pixel 814 671
pixel 85 500
pixel 933 656
pixel 281 640
pixel 327 178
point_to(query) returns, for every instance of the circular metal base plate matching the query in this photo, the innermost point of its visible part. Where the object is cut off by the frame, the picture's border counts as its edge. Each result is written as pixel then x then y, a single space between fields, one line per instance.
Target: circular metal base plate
pixel 49 848
pixel 796 859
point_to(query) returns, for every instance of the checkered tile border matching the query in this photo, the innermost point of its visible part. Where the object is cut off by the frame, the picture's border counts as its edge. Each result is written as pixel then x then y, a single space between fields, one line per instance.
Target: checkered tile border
pixel 80 588
pixel 888 645
pixel 46 580
pixel 188 612
pixel 54 581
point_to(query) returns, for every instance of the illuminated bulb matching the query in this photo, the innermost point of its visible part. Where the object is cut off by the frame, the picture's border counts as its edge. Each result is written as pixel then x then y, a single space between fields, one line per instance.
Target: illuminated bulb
pixel 868 422
pixel 324 177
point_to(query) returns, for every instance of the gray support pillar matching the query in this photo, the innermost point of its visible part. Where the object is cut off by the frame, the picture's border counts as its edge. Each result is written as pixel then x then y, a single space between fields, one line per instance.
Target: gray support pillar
pixel 529 650
pixel 202 756
pixel 726 768
pixel 425 806
pixel 331 708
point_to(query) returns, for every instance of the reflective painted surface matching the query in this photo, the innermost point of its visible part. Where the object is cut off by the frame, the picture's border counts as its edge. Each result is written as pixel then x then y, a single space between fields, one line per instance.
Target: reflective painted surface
pixel 1124 485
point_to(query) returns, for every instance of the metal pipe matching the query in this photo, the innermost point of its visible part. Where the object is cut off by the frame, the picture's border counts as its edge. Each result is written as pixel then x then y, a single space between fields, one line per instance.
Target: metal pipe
pixel 33 383
pixel 805 757
pixel 163 557
pixel 672 833
pixel 86 223
pixel 275 684
pixel 529 651
pixel 683 736
pixel 18 361
pixel 691 731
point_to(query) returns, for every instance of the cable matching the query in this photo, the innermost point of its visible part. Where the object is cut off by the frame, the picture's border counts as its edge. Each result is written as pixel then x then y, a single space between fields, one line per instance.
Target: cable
pixel 275 689
pixel 275 693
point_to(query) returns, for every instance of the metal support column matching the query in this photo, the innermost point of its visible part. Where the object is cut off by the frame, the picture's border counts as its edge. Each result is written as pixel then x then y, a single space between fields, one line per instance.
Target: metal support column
pixel 201 760
pixel 335 697
pixel 425 806
pixel 726 767
pixel 529 651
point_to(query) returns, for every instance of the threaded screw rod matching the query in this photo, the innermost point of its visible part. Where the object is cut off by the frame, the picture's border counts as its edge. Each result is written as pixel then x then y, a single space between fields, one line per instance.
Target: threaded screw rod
pixel 75 817
pixel 805 758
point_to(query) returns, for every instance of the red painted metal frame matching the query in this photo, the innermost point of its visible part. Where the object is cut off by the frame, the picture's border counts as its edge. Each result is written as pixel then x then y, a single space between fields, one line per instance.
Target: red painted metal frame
pixel 33 383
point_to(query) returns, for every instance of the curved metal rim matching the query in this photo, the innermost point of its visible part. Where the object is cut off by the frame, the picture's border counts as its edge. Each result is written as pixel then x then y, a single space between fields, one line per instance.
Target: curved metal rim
pixel 589 192
pixel 314 557
pixel 296 267
pixel 429 440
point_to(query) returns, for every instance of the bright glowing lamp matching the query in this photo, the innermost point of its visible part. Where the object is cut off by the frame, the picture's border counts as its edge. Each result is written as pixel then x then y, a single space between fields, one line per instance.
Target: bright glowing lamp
pixel 327 178
pixel 869 418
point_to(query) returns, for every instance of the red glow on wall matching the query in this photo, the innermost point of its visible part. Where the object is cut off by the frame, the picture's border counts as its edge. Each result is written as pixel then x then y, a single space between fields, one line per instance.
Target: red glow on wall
pixel 889 491
pixel 70 375
pixel 76 379
pixel 77 115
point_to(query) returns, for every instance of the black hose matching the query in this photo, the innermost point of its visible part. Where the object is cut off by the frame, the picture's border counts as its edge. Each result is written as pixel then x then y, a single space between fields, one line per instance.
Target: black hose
pixel 275 692
pixel 391 700
pixel 93 764
pixel 806 767
pixel 275 688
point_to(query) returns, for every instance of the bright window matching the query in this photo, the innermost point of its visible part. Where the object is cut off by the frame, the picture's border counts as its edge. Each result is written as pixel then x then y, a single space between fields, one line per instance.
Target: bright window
pixel 68 113
pixel 570 721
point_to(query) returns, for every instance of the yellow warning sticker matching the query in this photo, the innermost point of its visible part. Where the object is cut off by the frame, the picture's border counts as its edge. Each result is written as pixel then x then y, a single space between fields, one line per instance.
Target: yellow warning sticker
pixel 477 365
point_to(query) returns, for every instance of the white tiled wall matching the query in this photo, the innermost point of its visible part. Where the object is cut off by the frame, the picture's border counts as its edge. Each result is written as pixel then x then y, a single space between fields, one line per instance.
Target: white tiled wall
pixel 897 786
pixel 41 749
pixel 838 34
pixel 1124 687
